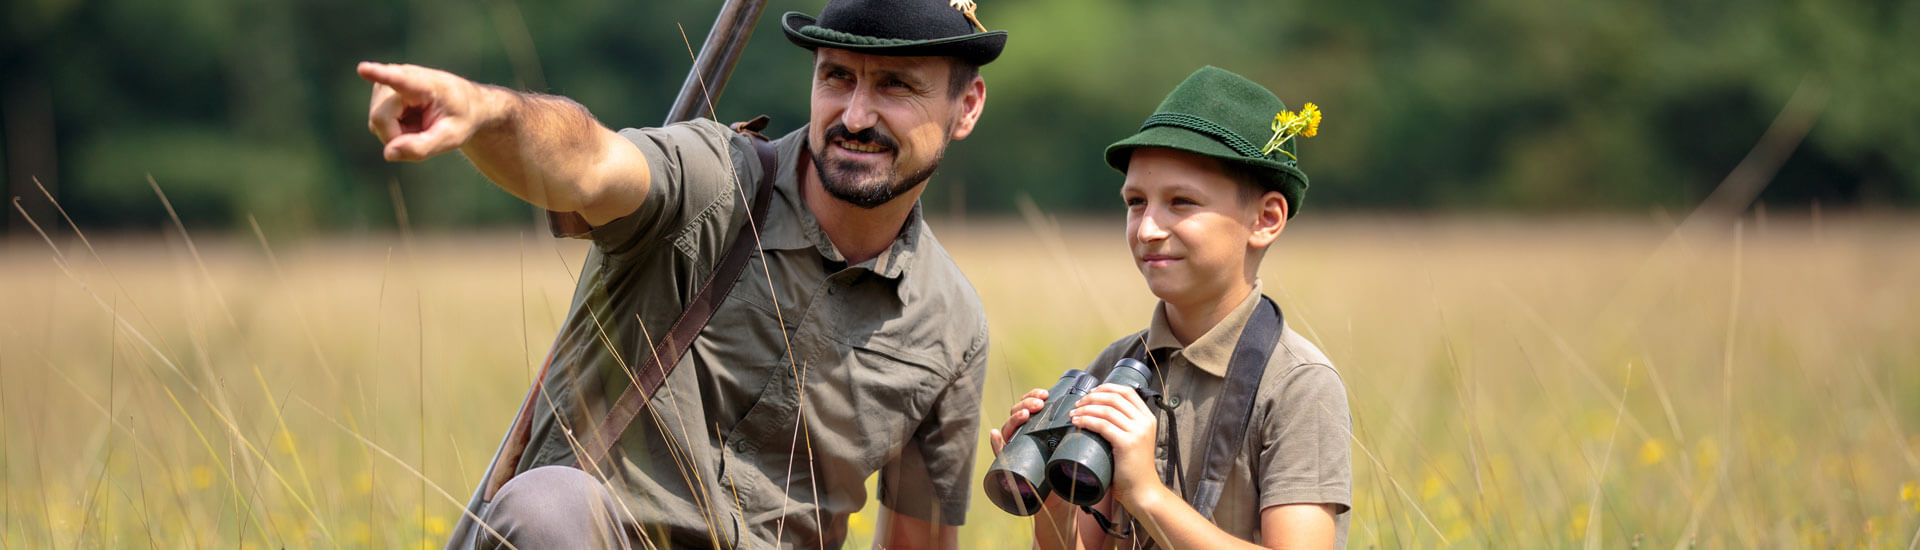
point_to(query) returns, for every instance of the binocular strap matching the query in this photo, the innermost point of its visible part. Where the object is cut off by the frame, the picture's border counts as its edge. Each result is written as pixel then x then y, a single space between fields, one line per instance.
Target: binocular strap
pixel 1227 433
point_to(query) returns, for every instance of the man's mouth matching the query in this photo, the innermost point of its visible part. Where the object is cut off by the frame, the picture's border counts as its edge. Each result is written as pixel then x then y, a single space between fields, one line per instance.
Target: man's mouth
pixel 859 147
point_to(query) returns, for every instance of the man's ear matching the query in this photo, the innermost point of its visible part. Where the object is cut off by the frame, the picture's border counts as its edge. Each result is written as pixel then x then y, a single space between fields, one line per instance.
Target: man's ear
pixel 972 103
pixel 1270 217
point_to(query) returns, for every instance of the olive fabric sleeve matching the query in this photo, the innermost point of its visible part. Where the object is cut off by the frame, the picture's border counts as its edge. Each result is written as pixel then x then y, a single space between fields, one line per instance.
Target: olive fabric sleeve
pixel 693 166
pixel 932 479
pixel 1306 451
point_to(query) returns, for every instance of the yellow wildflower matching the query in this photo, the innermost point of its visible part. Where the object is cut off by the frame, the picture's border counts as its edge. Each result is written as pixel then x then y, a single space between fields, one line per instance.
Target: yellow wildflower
pixel 1288 125
pixel 436 526
pixel 1908 491
pixel 202 477
pixel 1312 113
pixel 1652 452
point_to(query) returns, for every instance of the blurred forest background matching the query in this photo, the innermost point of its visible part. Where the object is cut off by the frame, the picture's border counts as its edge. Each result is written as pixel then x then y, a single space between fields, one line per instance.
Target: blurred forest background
pixel 251 106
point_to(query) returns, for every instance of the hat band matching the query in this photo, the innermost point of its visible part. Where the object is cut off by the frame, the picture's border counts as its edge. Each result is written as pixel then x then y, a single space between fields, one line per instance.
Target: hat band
pixel 1207 128
pixel 822 33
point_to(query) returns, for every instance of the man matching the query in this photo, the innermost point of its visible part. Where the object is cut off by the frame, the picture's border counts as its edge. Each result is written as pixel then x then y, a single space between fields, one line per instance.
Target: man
pixel 852 344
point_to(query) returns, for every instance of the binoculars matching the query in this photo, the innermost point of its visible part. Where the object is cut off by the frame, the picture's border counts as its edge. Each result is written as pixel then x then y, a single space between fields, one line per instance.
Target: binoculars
pixel 1049 455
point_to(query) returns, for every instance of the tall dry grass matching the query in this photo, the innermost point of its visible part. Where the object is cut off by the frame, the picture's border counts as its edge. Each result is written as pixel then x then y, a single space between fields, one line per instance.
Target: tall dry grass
pixel 1514 383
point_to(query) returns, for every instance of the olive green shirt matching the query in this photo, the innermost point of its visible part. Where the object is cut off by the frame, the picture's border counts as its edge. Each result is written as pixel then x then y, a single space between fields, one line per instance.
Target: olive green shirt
pixel 1297 448
pixel 812 376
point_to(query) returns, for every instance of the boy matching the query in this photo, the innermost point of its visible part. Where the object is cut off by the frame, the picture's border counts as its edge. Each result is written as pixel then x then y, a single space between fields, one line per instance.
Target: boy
pixel 1204 201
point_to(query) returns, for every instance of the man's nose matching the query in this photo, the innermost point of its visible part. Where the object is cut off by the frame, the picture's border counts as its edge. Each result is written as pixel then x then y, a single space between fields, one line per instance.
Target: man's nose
pixel 859 114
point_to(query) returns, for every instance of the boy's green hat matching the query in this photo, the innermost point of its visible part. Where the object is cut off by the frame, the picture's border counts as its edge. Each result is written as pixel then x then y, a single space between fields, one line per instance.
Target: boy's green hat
pixel 1219 114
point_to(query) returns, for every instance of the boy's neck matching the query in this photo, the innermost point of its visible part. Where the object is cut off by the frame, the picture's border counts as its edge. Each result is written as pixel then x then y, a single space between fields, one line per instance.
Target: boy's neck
pixel 1190 321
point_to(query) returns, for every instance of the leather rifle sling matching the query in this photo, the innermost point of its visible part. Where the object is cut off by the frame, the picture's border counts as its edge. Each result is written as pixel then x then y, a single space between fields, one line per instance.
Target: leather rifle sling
pixel 1228 431
pixel 674 344
pixel 506 464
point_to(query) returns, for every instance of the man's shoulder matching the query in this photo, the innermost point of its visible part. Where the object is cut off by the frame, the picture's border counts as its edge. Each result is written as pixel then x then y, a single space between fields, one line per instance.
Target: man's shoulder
pixel 936 280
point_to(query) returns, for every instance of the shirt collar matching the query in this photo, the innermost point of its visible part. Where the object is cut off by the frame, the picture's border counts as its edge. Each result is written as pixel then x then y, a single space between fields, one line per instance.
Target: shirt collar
pixel 792 226
pixel 1211 351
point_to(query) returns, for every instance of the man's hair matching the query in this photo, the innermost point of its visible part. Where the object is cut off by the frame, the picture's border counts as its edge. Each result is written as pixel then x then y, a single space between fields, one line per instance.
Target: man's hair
pixel 959 74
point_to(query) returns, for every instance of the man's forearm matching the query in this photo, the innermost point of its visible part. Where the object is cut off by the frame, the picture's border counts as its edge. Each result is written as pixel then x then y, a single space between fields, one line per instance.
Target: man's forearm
pixel 549 151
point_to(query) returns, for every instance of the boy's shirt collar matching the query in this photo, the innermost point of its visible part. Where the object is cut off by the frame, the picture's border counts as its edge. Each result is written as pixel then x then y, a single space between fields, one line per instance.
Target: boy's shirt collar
pixel 1213 350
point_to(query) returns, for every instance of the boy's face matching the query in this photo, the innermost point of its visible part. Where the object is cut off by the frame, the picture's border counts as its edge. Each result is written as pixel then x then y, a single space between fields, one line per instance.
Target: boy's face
pixel 1192 227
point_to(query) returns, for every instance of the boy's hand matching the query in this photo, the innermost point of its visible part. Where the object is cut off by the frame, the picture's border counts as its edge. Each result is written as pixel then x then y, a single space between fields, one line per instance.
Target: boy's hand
pixel 1028 406
pixel 1118 414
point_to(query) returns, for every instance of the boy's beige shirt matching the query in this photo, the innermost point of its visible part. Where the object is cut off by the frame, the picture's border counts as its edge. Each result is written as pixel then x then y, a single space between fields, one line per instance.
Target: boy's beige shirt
pixel 1297 448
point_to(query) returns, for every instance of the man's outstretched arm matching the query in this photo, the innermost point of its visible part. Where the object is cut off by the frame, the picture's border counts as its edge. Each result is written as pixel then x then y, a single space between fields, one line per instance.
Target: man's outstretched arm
pixel 547 150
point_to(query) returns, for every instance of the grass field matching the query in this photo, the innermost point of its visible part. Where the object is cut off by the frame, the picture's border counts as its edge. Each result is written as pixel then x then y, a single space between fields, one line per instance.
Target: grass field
pixel 1514 383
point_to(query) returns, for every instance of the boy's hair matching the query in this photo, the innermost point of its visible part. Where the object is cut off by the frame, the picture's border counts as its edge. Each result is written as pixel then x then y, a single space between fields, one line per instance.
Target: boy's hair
pixel 1252 184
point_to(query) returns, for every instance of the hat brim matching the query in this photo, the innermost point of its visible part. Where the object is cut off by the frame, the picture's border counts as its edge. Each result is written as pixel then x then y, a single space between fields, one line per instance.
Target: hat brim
pixel 978 48
pixel 1282 177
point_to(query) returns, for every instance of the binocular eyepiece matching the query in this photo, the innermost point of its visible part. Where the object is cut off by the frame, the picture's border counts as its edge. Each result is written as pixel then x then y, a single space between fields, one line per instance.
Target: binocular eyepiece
pixel 1049 455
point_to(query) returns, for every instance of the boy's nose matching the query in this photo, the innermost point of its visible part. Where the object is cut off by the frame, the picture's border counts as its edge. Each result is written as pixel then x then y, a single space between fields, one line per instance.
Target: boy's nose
pixel 1150 229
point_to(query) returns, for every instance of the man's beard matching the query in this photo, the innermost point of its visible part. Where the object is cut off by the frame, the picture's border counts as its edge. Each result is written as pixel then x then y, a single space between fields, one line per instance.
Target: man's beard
pixel 862 187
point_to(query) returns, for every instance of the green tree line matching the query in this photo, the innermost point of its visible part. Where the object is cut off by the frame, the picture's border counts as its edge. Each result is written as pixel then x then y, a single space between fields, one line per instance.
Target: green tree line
pixel 251 107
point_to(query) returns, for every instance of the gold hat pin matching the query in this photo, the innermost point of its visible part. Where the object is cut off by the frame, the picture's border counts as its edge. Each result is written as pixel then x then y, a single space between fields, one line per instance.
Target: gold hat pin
pixel 966 8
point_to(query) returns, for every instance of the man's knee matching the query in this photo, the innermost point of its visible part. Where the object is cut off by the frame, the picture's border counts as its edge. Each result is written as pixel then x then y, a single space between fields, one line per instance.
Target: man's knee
pixel 551 507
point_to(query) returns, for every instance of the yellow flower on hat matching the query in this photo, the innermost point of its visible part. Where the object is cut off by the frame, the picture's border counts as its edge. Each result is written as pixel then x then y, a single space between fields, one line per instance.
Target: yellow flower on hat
pixel 1288 125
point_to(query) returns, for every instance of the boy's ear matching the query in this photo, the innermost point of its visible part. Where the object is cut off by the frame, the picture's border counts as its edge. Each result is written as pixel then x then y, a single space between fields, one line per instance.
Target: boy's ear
pixel 1270 217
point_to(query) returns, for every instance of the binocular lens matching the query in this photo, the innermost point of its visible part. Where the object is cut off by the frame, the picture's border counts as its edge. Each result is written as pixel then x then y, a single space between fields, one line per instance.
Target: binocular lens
pixel 1015 495
pixel 1077 483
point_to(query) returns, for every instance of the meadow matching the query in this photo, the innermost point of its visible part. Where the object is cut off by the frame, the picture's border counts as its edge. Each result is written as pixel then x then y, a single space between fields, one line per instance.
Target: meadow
pixel 1515 382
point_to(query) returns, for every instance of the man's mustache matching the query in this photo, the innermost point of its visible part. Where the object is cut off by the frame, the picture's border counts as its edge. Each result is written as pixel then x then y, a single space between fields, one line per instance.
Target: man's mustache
pixel 871 135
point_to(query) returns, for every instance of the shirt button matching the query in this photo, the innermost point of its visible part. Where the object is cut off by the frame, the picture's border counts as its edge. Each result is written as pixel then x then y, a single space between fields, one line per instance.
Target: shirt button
pixel 1173 401
pixel 740 446
pixel 831 290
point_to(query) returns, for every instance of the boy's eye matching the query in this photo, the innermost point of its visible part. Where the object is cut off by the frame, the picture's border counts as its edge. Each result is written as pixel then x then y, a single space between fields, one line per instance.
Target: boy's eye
pixel 1183 201
pixel 1136 201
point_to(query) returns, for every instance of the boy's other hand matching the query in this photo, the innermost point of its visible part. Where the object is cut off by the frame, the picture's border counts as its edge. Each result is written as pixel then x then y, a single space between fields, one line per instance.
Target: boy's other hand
pixel 1118 414
pixel 1028 406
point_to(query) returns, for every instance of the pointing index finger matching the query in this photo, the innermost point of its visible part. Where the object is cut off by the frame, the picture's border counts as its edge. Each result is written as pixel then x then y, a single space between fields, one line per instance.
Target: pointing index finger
pixel 402 78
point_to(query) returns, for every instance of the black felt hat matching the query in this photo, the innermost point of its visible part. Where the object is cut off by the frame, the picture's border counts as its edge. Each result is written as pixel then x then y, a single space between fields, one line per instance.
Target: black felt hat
pixel 897 28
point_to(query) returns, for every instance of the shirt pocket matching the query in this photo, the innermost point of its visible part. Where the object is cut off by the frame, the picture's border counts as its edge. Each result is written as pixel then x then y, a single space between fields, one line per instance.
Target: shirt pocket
pixel 892 392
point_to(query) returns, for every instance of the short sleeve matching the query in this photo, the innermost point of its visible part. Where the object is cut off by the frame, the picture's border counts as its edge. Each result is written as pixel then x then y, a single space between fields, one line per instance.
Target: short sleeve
pixel 932 479
pixel 692 165
pixel 1306 450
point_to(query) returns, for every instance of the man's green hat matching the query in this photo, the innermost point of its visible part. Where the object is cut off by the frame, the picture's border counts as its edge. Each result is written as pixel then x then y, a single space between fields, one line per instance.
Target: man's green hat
pixel 1219 114
pixel 898 28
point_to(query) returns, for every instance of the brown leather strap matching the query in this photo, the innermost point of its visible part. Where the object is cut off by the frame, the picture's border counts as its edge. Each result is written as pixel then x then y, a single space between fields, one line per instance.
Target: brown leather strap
pixel 674 344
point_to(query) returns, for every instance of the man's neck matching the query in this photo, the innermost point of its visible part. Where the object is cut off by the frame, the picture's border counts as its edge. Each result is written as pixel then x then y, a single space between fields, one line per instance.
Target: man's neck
pixel 858 233
pixel 1190 321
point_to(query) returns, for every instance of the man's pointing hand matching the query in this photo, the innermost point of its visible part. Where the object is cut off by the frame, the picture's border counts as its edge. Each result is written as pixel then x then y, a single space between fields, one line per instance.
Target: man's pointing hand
pixel 420 112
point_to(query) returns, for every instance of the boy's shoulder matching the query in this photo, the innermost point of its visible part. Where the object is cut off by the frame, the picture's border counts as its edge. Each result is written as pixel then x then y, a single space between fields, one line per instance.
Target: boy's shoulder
pixel 1294 350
